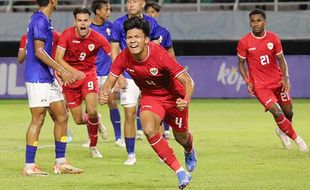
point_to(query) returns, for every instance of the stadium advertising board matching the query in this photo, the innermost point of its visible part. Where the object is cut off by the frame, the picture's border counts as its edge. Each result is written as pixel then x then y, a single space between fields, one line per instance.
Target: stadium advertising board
pixel 214 76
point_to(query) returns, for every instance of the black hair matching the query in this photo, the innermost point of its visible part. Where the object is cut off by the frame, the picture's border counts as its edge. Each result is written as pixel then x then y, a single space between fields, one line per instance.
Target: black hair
pixel 152 4
pixel 81 10
pixel 138 23
pixel 97 4
pixel 258 12
pixel 43 3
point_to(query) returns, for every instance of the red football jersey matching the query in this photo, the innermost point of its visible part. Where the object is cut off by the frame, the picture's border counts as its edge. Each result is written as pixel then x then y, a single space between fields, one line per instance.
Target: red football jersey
pixel 155 75
pixel 260 54
pixel 81 53
pixel 23 42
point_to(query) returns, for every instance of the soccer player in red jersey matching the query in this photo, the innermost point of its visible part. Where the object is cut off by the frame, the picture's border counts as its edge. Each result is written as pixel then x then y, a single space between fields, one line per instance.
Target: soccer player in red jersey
pixel 267 76
pixel 22 46
pixel 77 51
pixel 166 90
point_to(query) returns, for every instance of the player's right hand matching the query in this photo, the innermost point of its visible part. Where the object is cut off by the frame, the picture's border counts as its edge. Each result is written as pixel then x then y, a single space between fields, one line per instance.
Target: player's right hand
pixel 66 77
pixel 104 96
pixel 121 83
pixel 250 88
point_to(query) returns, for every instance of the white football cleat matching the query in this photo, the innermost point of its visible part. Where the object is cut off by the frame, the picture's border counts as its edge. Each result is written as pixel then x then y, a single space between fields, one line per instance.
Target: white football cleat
pixel 103 132
pixel 94 152
pixel 286 141
pixel 131 160
pixel 120 143
pixel 301 144
pixel 34 171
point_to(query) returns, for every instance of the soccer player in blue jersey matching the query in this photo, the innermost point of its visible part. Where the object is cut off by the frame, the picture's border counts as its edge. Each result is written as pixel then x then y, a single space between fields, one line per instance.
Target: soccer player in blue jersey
pixel 44 92
pixel 129 90
pixel 153 9
pixel 102 25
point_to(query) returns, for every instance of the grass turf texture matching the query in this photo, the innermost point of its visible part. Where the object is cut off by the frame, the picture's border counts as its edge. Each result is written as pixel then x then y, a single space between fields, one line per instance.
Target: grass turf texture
pixel 235 141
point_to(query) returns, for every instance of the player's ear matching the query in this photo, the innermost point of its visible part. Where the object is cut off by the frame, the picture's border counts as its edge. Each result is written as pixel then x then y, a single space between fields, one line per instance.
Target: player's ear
pixel 147 40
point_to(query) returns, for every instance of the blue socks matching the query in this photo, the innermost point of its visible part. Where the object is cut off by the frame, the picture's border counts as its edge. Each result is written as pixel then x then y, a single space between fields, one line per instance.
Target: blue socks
pixel 60 149
pixel 130 145
pixel 30 153
pixel 115 117
pixel 139 128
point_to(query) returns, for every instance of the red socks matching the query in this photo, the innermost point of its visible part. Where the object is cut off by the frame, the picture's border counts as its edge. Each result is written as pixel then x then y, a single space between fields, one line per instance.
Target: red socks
pixel 163 150
pixel 92 127
pixel 286 126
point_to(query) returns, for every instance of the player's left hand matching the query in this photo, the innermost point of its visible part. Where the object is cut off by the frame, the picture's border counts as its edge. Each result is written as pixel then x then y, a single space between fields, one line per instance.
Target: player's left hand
pixel 58 77
pixel 182 104
pixel 104 96
pixel 286 86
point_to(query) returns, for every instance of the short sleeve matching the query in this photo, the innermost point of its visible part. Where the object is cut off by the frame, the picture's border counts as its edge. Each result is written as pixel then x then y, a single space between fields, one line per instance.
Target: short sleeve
pixel 241 50
pixel 154 35
pixel 116 32
pixel 117 66
pixel 104 43
pixel 278 45
pixel 41 27
pixel 23 42
pixel 62 41
pixel 170 64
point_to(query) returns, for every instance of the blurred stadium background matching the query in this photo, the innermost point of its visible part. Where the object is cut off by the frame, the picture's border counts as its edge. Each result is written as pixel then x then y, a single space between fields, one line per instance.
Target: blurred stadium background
pixel 205 34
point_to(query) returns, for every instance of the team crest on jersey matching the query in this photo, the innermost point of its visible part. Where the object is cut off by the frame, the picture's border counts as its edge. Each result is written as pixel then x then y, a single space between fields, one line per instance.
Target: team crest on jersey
pixel 270 45
pixel 108 31
pixel 91 47
pixel 154 71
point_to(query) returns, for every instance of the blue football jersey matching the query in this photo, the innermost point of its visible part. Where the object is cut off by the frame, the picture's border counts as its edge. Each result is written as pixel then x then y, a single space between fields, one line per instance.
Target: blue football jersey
pixel 118 33
pixel 39 28
pixel 164 37
pixel 103 61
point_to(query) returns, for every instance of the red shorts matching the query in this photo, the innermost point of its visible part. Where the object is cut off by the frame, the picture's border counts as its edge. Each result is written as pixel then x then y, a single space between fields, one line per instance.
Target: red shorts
pixel 267 97
pixel 167 111
pixel 76 92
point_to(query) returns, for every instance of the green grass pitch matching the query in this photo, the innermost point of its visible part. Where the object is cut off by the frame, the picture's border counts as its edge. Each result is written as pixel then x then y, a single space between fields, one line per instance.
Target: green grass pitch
pixel 235 141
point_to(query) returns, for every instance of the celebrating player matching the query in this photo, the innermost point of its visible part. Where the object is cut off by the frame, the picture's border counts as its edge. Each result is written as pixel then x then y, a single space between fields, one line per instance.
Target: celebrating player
pixel 76 51
pixel 267 80
pixel 166 90
pixel 129 90
pixel 44 91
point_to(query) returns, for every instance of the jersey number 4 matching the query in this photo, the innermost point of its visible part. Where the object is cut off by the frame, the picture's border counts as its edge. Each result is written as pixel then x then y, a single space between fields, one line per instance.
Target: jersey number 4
pixel 264 59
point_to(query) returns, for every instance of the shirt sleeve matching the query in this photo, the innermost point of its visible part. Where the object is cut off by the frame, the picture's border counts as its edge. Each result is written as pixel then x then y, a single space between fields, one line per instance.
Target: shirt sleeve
pixel 104 43
pixel 116 32
pixel 170 64
pixel 154 35
pixel 23 42
pixel 278 45
pixel 62 41
pixel 117 66
pixel 167 42
pixel 241 50
pixel 41 28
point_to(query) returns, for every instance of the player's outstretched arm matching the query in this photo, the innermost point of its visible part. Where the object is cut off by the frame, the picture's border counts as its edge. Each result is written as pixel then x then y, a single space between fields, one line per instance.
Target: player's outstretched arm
pixel 189 84
pixel 107 89
pixel 21 56
pixel 284 69
pixel 244 74
pixel 41 54
pixel 114 50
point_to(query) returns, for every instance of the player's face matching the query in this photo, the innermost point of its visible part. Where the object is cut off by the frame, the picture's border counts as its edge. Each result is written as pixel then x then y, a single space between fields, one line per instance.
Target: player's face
pixel 104 12
pixel 152 12
pixel 135 7
pixel 257 24
pixel 137 43
pixel 82 22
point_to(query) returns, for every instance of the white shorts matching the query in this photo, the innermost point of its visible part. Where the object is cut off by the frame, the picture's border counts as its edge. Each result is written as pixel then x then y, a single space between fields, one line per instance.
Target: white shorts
pixel 129 96
pixel 43 94
pixel 101 80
